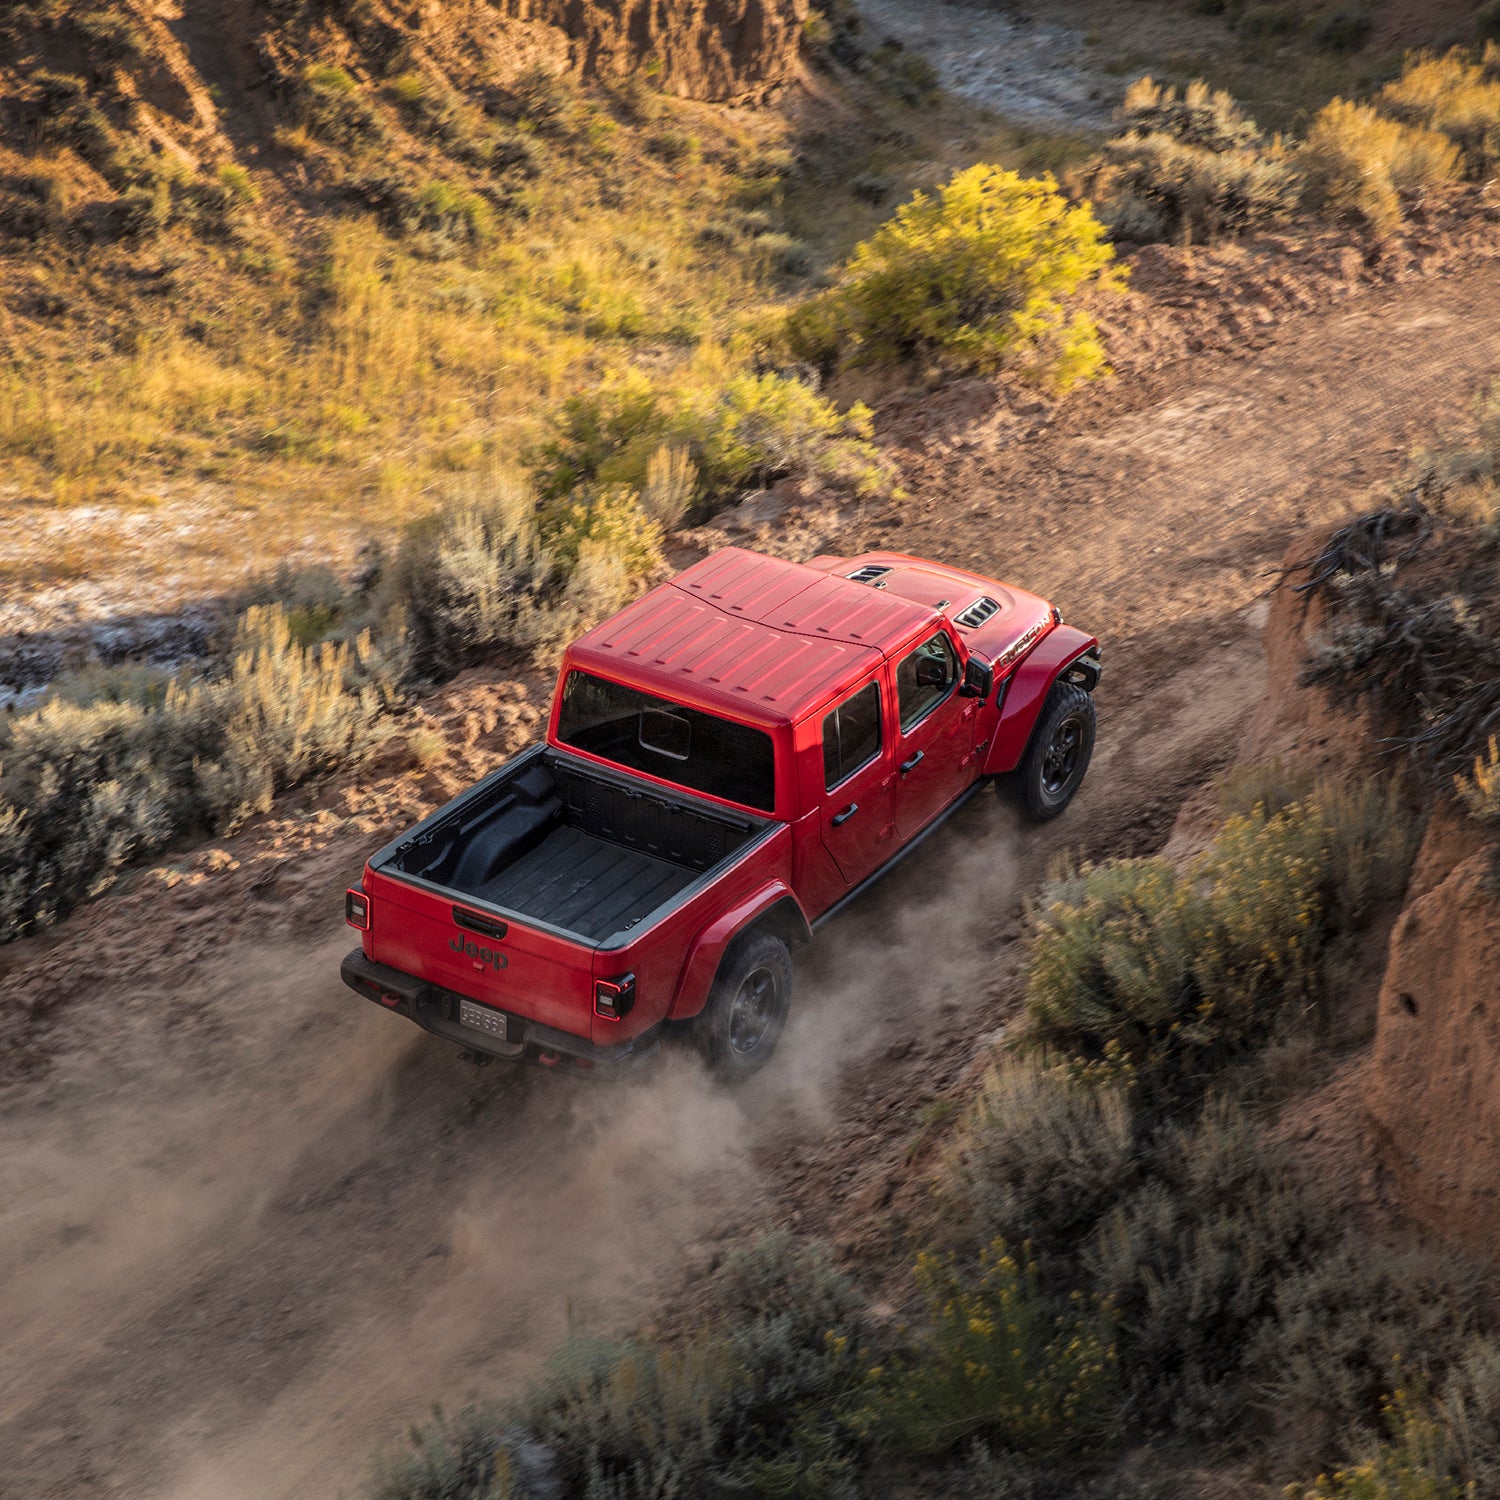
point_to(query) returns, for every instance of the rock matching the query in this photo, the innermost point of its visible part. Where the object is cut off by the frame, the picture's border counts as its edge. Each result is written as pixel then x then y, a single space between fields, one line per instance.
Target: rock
pixel 1432 1092
pixel 721 49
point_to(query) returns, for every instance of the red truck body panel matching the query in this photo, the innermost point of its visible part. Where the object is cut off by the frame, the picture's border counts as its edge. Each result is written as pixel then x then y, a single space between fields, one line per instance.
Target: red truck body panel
pixel 775 646
pixel 412 929
pixel 753 638
pixel 1029 684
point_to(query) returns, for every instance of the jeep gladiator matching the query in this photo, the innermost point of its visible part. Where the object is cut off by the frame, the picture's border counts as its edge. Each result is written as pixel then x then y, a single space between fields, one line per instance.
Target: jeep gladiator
pixel 729 761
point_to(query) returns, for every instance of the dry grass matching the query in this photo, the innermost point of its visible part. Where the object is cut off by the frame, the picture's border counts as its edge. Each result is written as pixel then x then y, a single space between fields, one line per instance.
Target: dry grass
pixel 416 357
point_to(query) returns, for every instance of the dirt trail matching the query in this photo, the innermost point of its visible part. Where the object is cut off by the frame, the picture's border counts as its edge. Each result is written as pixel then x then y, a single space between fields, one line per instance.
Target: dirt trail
pixel 250 1226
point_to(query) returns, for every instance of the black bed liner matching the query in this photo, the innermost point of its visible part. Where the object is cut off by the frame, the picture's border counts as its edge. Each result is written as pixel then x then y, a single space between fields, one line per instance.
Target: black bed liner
pixel 560 841
pixel 586 883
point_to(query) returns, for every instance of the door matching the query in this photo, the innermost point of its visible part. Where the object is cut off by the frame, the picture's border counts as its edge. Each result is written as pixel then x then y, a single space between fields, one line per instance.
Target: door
pixel 857 780
pixel 933 758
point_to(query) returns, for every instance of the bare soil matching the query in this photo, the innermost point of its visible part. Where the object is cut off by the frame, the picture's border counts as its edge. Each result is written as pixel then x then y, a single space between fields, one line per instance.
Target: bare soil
pixel 250 1226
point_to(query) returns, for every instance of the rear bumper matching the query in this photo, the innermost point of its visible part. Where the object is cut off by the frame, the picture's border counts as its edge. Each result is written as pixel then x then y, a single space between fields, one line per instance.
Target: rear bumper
pixel 436 1010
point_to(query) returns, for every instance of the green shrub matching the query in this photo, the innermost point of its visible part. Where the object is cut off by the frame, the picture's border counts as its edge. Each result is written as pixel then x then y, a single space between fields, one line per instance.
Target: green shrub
pixel 671 486
pixel 1470 1409
pixel 445 211
pixel 977 276
pixel 69 116
pixel 112 36
pixel 461 128
pixel 763 427
pixel 613 522
pixel 1153 187
pixel 1341 1326
pixel 1175 971
pixel 606 436
pixel 1192 1261
pixel 1343 29
pixel 1371 837
pixel 1000 1361
pixel 1454 96
pixel 675 146
pixel 238 183
pixel 1271 785
pixel 1203 117
pixel 1189 168
pixel 1268 20
pixel 472 578
pixel 765 1403
pixel 906 74
pixel 1357 160
pixel 447 206
pixel 752 430
pixel 331 106
pixel 88 785
pixel 1042 1157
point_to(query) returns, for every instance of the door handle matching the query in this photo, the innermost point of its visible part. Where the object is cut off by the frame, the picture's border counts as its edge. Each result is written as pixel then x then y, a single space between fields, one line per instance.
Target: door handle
pixel 839 819
pixel 910 765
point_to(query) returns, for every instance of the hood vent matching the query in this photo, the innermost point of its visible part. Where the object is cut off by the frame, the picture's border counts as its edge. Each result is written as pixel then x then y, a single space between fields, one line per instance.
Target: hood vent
pixel 869 573
pixel 977 613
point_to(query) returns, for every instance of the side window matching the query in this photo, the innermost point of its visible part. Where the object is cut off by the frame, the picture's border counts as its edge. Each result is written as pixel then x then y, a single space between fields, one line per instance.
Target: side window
pixel 925 678
pixel 851 735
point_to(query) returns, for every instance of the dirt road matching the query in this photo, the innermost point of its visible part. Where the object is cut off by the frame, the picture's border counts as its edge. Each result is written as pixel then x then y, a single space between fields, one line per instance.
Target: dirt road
pixel 250 1226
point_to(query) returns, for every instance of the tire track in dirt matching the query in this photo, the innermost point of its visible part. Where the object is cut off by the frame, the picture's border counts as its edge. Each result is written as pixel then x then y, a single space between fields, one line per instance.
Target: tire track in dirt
pixel 250 1226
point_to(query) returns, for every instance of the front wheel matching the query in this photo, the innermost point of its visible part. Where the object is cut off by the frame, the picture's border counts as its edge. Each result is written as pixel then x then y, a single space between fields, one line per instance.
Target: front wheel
pixel 1052 769
pixel 747 1008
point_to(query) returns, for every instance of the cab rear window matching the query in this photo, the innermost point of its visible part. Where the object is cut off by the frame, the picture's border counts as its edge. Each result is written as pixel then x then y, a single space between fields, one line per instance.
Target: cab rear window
pixel 693 749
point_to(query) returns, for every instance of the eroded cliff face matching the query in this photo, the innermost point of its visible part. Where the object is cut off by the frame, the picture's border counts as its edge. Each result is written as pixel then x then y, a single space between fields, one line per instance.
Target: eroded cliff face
pixel 696 49
pixel 1433 1089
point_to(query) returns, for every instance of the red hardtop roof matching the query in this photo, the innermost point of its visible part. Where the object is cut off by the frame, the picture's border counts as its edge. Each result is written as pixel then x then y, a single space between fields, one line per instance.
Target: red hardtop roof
pixel 752 636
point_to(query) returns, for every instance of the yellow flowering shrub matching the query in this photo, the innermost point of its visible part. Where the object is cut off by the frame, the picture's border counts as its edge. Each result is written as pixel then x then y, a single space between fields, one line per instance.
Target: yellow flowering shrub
pixel 1415 1465
pixel 1480 791
pixel 1000 1361
pixel 979 274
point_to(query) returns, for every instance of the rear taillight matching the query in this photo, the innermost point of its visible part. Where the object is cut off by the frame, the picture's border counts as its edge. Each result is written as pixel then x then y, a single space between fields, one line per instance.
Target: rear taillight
pixel 357 909
pixel 613 998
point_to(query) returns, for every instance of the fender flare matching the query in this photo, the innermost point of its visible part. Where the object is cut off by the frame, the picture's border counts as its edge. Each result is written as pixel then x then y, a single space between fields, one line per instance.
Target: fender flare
pixel 1026 690
pixel 774 899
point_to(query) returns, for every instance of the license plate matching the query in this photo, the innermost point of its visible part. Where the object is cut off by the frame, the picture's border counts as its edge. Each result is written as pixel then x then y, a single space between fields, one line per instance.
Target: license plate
pixel 482 1018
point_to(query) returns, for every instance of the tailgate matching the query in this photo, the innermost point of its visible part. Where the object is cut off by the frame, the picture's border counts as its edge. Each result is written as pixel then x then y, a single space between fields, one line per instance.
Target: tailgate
pixel 529 973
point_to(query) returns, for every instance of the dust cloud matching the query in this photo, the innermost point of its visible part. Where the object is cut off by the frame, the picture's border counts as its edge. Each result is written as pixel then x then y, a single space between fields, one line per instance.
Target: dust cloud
pixel 262 1228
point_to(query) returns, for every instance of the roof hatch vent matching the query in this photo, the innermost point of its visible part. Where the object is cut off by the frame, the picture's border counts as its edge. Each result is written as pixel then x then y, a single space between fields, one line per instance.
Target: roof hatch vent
pixel 869 573
pixel 977 613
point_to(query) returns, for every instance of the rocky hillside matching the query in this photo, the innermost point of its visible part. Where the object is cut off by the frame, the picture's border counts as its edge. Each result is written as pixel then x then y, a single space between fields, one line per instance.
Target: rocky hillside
pixel 208 87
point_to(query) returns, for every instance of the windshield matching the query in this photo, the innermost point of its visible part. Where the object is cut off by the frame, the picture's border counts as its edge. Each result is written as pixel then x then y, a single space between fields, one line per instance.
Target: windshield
pixel 694 749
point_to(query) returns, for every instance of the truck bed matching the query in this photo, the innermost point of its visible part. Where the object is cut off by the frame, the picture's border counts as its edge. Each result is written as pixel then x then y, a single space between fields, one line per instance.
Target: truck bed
pixel 552 839
pixel 587 884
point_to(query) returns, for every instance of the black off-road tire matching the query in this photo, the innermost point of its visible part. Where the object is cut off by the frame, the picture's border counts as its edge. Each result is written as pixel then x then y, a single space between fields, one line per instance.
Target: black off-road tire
pixel 1053 767
pixel 747 1007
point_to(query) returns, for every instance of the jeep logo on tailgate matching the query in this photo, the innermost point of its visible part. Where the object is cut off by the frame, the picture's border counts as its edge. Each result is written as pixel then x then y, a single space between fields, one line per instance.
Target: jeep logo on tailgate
pixel 472 949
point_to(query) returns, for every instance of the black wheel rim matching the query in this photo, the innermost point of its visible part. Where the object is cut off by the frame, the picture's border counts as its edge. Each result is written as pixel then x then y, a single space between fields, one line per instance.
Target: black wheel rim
pixel 754 1011
pixel 1061 759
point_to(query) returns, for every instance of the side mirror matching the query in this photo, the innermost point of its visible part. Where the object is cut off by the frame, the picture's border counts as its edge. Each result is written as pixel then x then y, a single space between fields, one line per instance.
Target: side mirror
pixel 979 679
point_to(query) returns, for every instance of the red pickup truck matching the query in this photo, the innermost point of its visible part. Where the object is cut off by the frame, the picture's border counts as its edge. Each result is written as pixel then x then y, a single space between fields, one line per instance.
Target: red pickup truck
pixel 729 760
